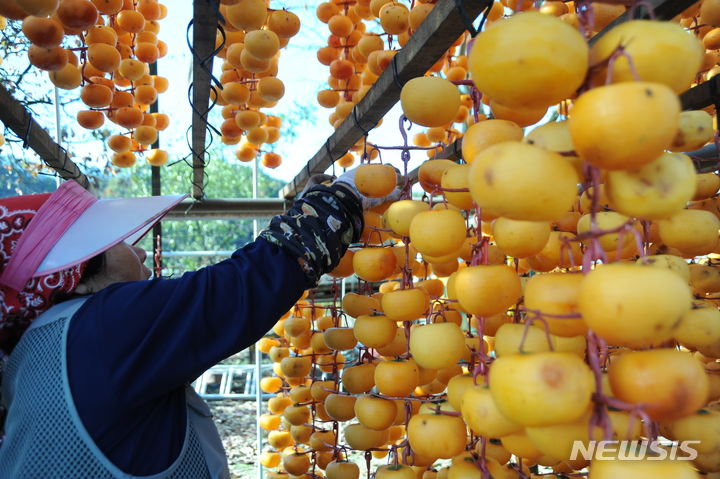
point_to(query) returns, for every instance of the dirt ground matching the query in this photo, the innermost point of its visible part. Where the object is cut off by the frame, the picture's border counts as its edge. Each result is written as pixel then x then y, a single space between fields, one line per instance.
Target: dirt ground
pixel 236 423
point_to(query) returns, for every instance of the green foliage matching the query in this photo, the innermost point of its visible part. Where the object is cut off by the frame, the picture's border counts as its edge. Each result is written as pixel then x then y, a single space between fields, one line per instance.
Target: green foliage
pixel 225 179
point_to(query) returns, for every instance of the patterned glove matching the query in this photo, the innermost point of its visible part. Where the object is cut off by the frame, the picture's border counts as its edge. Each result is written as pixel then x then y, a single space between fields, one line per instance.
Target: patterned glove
pixel 318 228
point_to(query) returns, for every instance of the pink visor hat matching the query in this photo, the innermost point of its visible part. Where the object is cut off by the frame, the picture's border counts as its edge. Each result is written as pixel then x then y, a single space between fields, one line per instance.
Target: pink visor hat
pixel 73 226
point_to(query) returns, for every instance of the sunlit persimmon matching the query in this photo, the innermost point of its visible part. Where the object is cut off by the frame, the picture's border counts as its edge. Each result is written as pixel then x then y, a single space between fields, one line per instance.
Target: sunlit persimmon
pixel 514 338
pixel 67 78
pixel 126 159
pixel 436 435
pixel 269 422
pixel 542 388
pixel 375 413
pixel 340 407
pixel 374 331
pixel 340 339
pixel 633 306
pixel 342 470
pixel 486 133
pixel 270 384
pixel 89 119
pixel 430 101
pixel 456 178
pixel 669 383
pixel 374 264
pixel 654 191
pixel 625 125
pixel 361 437
pixel 396 378
pixel 486 290
pixel 49 59
pixel 693 232
pixel 424 226
pixel 510 179
pixel 482 415
pixel 641 39
pixel 131 69
pixel 359 379
pixel 555 52
pixel 375 180
pixel 438 345
pixel 405 304
pixel 394 18
pixel 519 238
pixel 157 157
pixel 284 23
pixel 77 14
pixel 296 366
pixel 119 143
pixel 431 172
pixel 43 32
pixel 556 295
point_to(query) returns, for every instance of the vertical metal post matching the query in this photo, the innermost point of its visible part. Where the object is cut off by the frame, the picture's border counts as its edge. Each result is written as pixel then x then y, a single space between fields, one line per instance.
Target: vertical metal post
pixel 58 127
pixel 156 190
pixel 258 354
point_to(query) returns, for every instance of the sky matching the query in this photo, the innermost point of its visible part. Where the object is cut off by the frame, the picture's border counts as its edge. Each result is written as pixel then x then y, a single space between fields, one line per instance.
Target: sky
pixel 299 70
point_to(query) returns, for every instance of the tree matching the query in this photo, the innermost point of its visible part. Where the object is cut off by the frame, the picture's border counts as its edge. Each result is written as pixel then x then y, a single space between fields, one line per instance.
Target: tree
pixel 225 179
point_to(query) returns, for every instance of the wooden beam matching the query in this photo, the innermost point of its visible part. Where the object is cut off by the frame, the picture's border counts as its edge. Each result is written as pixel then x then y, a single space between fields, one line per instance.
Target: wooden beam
pixel 663 10
pixel 205 21
pixel 442 27
pixel 703 95
pixel 21 122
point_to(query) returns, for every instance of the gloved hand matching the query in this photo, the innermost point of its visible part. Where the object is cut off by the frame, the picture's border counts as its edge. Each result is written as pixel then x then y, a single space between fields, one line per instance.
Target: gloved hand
pixel 349 178
pixel 315 180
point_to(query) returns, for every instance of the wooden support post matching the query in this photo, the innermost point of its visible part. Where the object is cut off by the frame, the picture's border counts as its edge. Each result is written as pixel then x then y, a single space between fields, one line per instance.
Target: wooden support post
pixel 20 121
pixel 205 21
pixel 442 27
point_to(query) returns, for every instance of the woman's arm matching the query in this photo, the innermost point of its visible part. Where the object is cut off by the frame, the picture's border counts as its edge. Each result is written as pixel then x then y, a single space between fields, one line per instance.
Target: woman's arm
pixel 143 339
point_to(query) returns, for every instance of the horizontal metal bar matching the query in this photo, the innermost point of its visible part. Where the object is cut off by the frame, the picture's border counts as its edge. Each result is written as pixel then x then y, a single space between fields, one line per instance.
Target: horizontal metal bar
pixel 183 254
pixel 230 208
pixel 238 397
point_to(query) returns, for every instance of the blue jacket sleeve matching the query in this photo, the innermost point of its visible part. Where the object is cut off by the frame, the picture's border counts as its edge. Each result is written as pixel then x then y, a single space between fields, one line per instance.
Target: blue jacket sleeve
pixel 150 337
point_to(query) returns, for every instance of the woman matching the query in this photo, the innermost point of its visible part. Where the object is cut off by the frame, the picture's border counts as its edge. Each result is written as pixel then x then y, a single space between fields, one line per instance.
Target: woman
pixel 97 381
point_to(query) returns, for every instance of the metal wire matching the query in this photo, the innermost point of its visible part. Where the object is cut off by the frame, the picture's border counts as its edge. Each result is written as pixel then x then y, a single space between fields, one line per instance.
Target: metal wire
pixel 216 87
pixel 395 73
pixel 467 21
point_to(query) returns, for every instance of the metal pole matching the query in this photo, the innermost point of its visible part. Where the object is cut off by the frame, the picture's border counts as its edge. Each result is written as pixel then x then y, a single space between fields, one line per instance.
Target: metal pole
pixel 156 190
pixel 258 354
pixel 57 127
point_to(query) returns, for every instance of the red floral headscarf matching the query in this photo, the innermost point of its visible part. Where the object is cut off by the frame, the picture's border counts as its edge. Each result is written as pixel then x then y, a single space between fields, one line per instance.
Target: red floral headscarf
pixel 19 308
